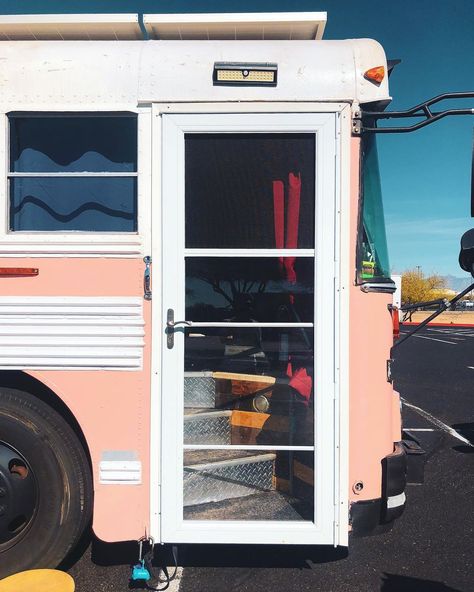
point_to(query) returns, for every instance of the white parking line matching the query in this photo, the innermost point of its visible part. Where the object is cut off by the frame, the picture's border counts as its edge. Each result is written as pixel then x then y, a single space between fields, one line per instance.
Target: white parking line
pixel 420 430
pixel 176 581
pixel 471 367
pixel 450 333
pixel 437 422
pixel 434 339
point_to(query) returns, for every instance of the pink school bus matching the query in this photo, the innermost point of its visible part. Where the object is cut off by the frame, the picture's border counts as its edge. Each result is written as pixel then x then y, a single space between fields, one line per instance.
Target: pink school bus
pixel 194 285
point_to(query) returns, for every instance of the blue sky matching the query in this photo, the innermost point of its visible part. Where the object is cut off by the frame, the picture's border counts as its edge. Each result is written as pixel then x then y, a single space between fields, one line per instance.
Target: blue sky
pixel 425 174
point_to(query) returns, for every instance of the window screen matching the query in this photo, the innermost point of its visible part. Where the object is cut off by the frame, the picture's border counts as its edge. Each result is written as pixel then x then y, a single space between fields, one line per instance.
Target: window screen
pixel 73 173
pixel 230 187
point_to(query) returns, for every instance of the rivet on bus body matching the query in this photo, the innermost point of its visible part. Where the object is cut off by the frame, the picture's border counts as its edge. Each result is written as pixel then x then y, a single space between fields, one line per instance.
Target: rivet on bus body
pixel 358 487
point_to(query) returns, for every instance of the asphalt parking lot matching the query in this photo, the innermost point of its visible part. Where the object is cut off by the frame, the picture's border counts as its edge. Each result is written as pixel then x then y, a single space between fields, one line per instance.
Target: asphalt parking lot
pixel 429 549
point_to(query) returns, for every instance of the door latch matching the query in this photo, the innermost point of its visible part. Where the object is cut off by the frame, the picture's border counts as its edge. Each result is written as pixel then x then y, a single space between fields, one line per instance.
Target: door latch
pixel 170 326
pixel 147 278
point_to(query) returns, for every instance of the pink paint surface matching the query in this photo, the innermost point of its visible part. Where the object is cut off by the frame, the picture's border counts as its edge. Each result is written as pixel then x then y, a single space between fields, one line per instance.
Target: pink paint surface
pixel 112 407
pixel 374 415
pixel 71 276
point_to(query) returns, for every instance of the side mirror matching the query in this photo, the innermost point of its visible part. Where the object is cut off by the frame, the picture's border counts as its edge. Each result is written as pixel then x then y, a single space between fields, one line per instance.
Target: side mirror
pixel 466 256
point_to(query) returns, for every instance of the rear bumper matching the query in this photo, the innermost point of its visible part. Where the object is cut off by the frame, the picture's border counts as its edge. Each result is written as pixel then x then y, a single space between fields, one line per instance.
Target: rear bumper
pixel 377 515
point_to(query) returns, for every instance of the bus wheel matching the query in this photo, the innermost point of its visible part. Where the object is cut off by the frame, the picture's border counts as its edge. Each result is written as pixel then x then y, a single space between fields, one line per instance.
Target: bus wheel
pixel 45 484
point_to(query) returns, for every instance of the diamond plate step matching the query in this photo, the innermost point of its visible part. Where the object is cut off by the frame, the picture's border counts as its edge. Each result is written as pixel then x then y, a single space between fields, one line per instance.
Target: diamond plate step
pixel 199 390
pixel 211 427
pixel 228 478
pixel 268 505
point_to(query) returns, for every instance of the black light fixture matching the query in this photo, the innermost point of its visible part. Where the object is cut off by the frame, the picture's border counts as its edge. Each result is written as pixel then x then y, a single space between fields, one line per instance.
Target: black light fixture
pixel 244 74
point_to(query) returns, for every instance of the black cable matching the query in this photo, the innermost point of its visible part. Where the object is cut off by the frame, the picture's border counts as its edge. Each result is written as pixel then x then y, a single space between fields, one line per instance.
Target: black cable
pixel 148 557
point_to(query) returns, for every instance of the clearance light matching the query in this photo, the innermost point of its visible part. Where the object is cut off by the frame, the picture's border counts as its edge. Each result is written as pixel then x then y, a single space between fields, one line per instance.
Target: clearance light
pixel 376 74
pixel 237 74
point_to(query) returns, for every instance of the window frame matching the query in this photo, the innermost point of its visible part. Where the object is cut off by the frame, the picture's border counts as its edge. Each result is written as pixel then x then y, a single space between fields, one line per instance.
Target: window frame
pixel 79 242
pixel 173 128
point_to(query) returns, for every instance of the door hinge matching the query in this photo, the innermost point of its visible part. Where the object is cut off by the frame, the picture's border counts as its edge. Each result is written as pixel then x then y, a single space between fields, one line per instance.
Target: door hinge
pixel 147 278
pixel 356 123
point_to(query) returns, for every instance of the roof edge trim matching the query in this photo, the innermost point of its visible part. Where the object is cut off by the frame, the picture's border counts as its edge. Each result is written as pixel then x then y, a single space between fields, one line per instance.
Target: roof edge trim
pixel 250 25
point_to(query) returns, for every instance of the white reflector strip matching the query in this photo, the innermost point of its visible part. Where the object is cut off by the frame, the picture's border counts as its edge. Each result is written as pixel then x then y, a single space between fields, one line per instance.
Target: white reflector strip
pixel 396 500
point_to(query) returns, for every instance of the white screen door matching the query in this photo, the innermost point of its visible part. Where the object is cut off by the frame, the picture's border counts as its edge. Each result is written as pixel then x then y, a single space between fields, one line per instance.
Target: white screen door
pixel 248 251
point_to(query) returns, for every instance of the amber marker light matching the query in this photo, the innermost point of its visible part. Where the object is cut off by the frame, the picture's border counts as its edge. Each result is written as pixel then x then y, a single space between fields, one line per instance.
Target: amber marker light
pixel 376 74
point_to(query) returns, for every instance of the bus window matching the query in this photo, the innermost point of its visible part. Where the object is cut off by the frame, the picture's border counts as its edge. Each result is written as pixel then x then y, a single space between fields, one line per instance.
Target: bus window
pixel 73 172
pixel 372 252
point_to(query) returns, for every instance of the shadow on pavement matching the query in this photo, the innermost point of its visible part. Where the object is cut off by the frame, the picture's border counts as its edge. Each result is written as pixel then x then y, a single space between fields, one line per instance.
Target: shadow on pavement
pixel 466 430
pixel 78 551
pixel 464 449
pixel 106 554
pixel 102 554
pixel 300 556
pixel 394 583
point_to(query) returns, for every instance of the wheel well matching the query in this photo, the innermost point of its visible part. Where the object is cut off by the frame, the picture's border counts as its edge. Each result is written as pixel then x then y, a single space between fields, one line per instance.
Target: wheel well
pixel 20 380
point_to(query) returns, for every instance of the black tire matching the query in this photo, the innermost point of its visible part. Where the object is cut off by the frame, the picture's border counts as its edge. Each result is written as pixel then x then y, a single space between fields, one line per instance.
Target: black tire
pixel 45 484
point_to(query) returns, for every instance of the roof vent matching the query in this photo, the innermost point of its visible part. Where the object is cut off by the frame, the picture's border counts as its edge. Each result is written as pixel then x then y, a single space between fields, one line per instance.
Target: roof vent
pixel 241 26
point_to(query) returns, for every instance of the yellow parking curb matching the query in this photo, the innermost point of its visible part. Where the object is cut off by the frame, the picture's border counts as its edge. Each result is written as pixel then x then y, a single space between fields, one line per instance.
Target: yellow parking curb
pixel 38 580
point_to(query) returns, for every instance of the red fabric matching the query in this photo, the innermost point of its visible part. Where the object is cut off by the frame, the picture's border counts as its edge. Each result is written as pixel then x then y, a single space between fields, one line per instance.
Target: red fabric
pixel 301 382
pixel 279 213
pixel 294 193
pixel 279 216
pixel 289 267
pixel 292 223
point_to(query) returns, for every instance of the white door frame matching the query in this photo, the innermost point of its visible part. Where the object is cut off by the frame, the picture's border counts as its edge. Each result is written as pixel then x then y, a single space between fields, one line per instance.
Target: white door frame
pixel 172 160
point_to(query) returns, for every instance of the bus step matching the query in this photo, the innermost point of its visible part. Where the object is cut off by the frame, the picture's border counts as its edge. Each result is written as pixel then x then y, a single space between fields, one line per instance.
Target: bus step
pixel 233 476
pixel 267 505
pixel 199 390
pixel 212 427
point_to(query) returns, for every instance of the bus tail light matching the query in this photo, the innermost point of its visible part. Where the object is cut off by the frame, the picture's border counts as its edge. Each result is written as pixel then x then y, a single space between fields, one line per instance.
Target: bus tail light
pixel 376 74
pixel 395 322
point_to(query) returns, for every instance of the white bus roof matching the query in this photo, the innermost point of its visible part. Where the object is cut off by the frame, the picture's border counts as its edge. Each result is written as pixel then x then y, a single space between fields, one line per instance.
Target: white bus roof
pixel 264 26
pixel 69 26
pixel 101 75
pixel 69 62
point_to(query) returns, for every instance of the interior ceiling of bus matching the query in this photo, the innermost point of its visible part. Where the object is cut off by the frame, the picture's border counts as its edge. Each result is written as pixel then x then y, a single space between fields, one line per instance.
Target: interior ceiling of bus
pixel 262 26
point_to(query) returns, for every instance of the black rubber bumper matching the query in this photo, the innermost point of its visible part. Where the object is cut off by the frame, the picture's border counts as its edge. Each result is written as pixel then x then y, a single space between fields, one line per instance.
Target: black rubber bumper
pixel 375 516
